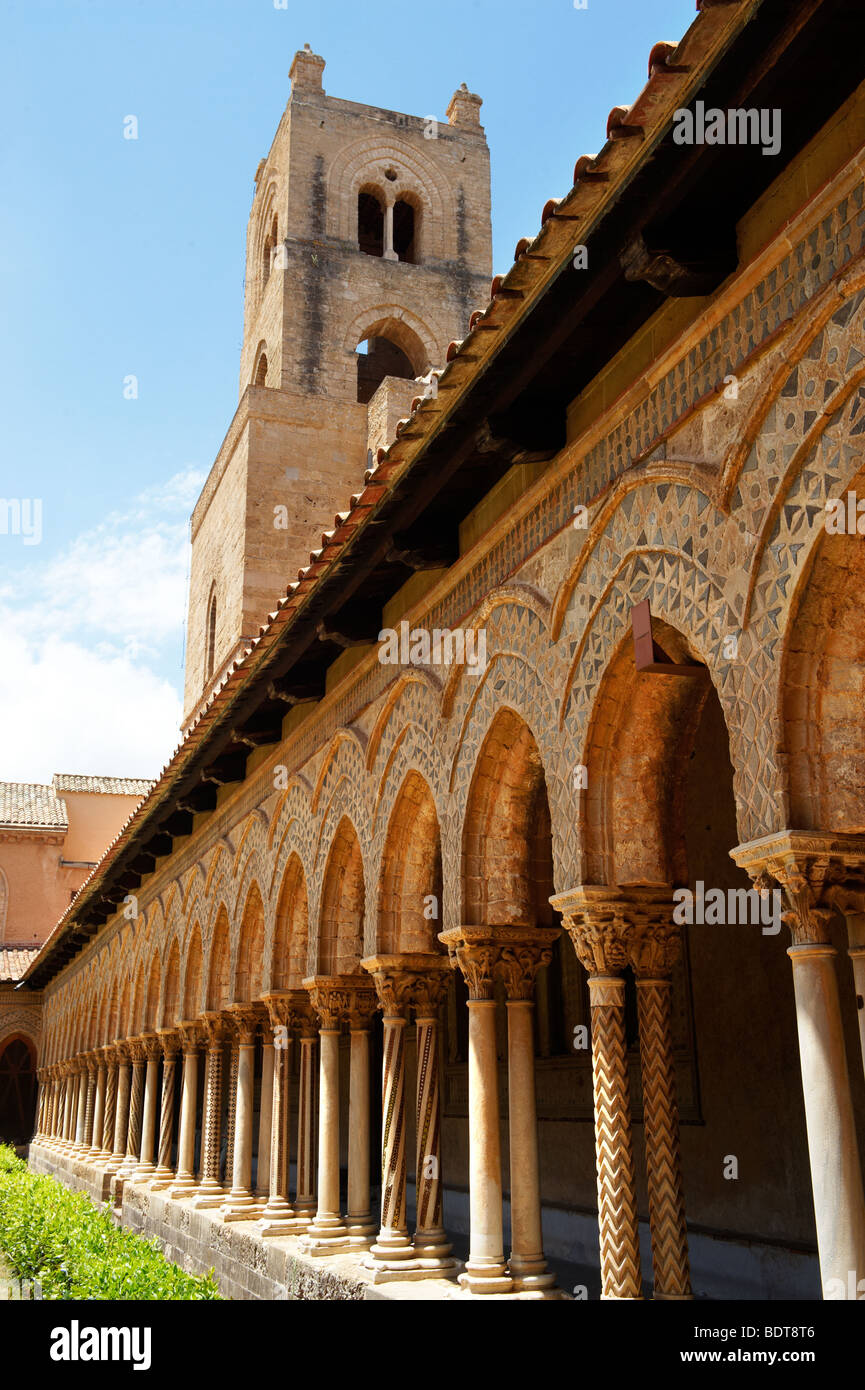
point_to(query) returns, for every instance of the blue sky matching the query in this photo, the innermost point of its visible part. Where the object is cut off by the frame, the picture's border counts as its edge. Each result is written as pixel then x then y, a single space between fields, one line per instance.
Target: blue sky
pixel 122 257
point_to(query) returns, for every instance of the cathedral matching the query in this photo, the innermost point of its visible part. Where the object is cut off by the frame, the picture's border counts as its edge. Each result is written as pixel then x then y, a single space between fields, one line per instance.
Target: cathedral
pixel 497 928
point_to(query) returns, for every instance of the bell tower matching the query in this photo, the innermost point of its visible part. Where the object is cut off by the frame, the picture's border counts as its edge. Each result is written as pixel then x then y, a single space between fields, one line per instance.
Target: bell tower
pixel 368 246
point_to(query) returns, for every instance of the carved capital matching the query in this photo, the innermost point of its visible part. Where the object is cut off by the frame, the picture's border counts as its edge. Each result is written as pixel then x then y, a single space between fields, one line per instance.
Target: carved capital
pixel 410 981
pixel 613 927
pixel 301 1016
pixel 121 1048
pixel 817 874
pixel 214 1030
pixel 169 1041
pixel 247 1019
pixel 510 954
pixel 339 998
pixel 191 1035
pixel 137 1051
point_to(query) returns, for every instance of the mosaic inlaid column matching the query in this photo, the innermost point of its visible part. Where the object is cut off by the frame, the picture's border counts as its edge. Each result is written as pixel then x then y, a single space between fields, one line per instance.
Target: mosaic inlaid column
pixel 233 1065
pixel 596 920
pixel 518 965
pixel 359 1224
pixel 240 1204
pixel 474 952
pixel 184 1181
pixel 305 1197
pixel 136 1108
pixel 98 1108
pixel 211 1192
pixel 808 866
pixel 277 1214
pixel 164 1174
pixel 152 1049
pixel 121 1109
pixel 110 1111
pixel 654 949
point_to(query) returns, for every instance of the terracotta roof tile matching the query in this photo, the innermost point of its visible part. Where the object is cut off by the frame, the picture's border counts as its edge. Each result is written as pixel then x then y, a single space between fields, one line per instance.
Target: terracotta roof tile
pixel 31 803
pixel 110 786
pixel 14 960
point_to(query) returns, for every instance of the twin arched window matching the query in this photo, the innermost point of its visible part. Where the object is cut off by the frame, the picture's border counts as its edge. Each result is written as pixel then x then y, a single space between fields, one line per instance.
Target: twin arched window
pixel 387 229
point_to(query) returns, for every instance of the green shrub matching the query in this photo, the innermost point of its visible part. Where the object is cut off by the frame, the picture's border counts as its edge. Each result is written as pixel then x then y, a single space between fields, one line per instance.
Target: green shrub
pixel 58 1237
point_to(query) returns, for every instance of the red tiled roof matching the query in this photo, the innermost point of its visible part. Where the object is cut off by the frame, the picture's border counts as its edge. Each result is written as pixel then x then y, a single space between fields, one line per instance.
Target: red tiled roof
pixel 31 804
pixel 14 960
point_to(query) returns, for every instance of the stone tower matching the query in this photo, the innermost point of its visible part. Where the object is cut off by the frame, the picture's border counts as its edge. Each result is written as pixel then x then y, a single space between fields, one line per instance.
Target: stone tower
pixel 367 248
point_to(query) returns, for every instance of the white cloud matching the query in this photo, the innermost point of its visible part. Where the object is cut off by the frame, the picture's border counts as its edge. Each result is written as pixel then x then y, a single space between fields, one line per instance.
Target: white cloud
pixel 83 640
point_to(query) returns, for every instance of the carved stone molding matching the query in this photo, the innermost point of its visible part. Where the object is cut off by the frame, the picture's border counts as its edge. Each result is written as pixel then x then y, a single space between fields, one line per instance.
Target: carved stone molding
pixel 411 981
pixel 247 1019
pixel 816 872
pixel 151 1046
pixel 169 1040
pixel 614 927
pixel 191 1034
pixel 511 954
pixel 214 1030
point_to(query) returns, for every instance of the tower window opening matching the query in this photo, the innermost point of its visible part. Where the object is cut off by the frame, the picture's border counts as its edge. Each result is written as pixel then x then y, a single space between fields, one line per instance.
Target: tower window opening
pixel 404 231
pixel 370 224
pixel 211 638
pixel 267 253
pixel 260 378
pixel 376 359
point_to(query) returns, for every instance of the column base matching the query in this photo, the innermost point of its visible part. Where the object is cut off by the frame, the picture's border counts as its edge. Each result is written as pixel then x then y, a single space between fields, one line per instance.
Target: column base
pixel 161 1179
pixel 325 1235
pixel 209 1194
pixel 486 1279
pixel 182 1186
pixel 360 1231
pixel 142 1172
pixel 240 1206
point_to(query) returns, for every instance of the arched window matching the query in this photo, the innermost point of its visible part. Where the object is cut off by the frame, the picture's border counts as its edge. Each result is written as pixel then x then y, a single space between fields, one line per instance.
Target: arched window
pixel 260 378
pixel 370 224
pixel 211 638
pixel 376 359
pixel 267 252
pixel 404 231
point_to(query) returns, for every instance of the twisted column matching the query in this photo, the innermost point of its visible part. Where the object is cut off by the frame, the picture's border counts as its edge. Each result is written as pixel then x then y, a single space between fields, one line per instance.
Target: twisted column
pixel 211 1192
pixel 184 1181
pixel 136 1101
pixel 121 1111
pixel 597 921
pixel 815 871
pixel 110 1110
pixel 81 1107
pixel 392 1250
pixel 164 1173
pixel 89 1103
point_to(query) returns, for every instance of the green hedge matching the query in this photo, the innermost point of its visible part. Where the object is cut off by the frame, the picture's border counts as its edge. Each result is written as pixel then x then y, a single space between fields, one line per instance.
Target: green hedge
pixel 58 1238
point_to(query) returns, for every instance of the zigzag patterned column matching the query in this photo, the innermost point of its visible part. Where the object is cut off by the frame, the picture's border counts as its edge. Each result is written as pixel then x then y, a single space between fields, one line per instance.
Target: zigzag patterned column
pixel 597 922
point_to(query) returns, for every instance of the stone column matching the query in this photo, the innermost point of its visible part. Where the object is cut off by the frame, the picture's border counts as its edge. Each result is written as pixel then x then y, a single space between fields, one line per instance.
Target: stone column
pixel 391 1254
pixel 81 1107
pixel 277 1214
pixel 597 922
pixel 152 1049
pixel 136 1101
pixel 233 1065
pixel 850 900
pixel 184 1181
pixel 812 870
pixel 121 1112
pixel 410 983
pixel 240 1205
pixel 211 1192
pixel 518 966
pixel 164 1174
pixel 336 998
pixel 304 1198
pixel 71 1105
pixel 110 1111
pixel 359 1225
pixel 388 253
pixel 66 1105
pixel 98 1108
pixel 654 949
pixel 473 949
pixel 265 1118
pixel 89 1103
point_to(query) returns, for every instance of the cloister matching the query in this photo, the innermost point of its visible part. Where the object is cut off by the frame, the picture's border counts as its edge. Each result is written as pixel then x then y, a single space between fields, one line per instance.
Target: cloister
pixel 386 963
